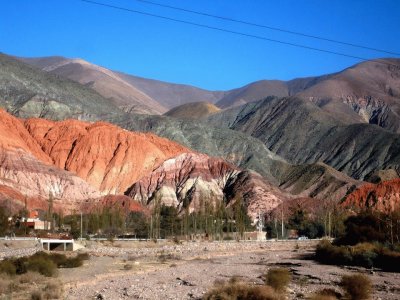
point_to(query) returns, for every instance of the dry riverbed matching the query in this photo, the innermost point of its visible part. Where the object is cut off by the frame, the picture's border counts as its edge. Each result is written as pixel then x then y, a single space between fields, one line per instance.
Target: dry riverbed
pixel 145 270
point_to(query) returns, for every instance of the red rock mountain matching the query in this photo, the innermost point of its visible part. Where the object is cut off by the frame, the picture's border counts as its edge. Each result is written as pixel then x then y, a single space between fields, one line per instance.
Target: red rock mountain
pixel 36 156
pixel 25 168
pixel 78 163
pixel 384 196
pixel 106 156
pixel 191 179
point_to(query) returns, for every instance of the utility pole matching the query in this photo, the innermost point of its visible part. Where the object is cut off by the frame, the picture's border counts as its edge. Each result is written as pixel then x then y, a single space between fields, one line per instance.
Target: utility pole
pixel 329 224
pixel 260 222
pixel 81 226
pixel 282 223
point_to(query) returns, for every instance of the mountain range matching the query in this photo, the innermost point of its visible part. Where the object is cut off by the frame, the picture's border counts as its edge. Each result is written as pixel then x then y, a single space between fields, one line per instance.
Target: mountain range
pixel 267 142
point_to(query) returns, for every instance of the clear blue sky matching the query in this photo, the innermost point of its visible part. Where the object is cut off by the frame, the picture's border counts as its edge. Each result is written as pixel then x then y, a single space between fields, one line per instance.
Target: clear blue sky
pixel 173 52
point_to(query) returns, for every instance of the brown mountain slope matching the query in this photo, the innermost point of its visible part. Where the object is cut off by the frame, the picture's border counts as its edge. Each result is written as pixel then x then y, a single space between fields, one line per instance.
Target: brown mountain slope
pixel 368 92
pixel 303 133
pixel 370 89
pixel 384 197
pixel 107 83
pixel 253 92
pixel 171 95
pixel 131 93
pixel 317 180
pixel 196 110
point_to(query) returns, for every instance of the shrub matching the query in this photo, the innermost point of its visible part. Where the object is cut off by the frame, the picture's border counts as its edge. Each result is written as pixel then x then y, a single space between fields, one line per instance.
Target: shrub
pixel 53 290
pixel 59 259
pixel 5 282
pixel 357 287
pixel 7 267
pixel 73 262
pixel 326 294
pixel 330 254
pixel 128 267
pixel 42 265
pixel 83 256
pixel 322 297
pixel 36 295
pixel 235 290
pixel 278 278
pixel 30 277
pixel 388 260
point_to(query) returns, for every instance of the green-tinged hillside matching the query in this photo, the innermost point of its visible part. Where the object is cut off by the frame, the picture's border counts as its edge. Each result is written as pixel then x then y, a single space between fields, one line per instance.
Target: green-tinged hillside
pixel 26 91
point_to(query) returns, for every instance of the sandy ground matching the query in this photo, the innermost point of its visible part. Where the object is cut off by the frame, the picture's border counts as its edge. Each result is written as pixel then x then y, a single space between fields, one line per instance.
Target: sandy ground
pixel 168 271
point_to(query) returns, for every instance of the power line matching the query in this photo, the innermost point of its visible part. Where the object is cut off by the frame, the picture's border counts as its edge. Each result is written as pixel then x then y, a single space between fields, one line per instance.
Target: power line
pixel 268 27
pixel 231 31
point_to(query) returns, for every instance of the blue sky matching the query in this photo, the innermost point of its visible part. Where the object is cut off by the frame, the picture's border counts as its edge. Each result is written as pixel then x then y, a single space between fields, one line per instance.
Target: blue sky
pixel 174 52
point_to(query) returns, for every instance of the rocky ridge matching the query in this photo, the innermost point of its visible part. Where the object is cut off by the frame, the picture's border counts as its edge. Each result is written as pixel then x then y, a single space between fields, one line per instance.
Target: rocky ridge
pixel 188 181
pixel 384 197
pixel 104 155
pixel 302 133
pixel 43 159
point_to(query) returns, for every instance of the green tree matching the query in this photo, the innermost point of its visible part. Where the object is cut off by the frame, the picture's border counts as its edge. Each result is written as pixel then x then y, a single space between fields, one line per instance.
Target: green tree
pixel 4 224
pixel 169 220
pixel 138 224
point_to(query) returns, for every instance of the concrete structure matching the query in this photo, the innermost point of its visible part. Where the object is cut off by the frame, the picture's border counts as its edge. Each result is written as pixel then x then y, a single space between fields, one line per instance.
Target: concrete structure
pixel 59 245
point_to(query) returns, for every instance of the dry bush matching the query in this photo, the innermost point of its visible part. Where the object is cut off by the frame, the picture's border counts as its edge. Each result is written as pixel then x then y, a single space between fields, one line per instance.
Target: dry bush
pixel 131 258
pixel 5 282
pixel 237 290
pixel 36 295
pixel 322 297
pixel 83 256
pixel 357 287
pixel 42 265
pixel 278 278
pixel 326 294
pixel 128 267
pixel 30 277
pixel 53 290
pixel 8 267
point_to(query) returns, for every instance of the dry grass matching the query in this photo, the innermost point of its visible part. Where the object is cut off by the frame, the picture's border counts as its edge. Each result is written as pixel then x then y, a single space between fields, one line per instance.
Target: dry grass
pixel 31 277
pixel 236 290
pixel 36 295
pixel 30 285
pixel 357 286
pixel 5 282
pixel 278 278
pixel 53 290
pixel 325 294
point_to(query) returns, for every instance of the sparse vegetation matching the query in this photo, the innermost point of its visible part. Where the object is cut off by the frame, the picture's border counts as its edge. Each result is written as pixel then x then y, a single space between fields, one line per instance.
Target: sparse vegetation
pixel 357 287
pixel 367 242
pixel 41 262
pixel 53 290
pixel 278 278
pixel 239 290
pixel 326 294
pixel 30 285
pixel 36 295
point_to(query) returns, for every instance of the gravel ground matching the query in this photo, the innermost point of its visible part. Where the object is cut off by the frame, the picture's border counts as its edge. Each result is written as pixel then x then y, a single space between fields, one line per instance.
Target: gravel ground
pixel 187 271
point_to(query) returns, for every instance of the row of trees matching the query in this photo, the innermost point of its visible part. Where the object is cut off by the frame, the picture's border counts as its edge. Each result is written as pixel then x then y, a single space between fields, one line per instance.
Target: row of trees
pixel 211 221
pixel 309 218
pixel 331 219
